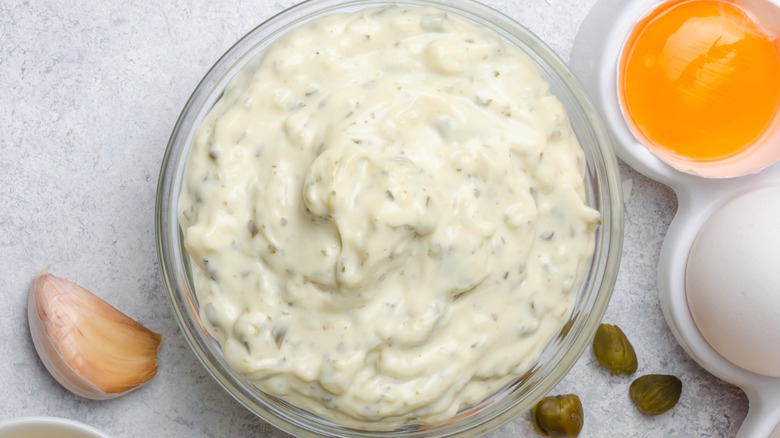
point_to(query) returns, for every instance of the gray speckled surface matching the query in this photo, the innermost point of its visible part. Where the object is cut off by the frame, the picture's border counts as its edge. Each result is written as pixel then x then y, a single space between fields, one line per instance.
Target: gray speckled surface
pixel 89 93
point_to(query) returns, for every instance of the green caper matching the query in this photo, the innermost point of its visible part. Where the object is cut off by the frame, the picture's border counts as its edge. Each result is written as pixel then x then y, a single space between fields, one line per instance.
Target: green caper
pixel 655 393
pixel 613 350
pixel 559 416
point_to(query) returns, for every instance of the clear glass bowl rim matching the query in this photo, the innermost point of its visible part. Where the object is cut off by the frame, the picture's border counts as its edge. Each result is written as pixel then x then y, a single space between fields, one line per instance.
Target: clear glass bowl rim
pixel 604 192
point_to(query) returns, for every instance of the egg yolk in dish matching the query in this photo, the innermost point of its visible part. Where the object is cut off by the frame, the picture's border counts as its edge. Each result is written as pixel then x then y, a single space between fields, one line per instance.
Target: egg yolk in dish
pixel 699 78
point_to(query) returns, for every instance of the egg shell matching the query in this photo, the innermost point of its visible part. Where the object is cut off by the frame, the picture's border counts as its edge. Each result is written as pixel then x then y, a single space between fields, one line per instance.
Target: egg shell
pixel 732 281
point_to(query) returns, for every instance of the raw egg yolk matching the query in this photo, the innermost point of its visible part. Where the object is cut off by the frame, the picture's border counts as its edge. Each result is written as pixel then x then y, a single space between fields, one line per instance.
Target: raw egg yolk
pixel 700 79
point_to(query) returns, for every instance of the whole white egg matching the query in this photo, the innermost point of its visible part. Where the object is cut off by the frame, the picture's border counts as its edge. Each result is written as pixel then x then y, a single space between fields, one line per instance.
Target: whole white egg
pixel 732 281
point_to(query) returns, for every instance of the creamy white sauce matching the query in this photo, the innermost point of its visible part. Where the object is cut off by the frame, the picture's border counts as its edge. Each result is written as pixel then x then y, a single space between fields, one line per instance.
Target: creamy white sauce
pixel 386 217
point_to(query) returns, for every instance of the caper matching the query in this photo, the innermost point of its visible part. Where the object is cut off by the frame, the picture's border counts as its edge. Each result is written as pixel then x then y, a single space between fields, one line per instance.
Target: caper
pixel 655 393
pixel 613 350
pixel 559 416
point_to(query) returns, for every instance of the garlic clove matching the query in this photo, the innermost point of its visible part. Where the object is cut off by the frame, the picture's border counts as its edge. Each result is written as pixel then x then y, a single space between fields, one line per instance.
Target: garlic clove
pixel 90 347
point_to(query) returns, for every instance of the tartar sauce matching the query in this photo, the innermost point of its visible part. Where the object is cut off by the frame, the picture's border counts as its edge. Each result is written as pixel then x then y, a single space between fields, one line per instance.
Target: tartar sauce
pixel 386 217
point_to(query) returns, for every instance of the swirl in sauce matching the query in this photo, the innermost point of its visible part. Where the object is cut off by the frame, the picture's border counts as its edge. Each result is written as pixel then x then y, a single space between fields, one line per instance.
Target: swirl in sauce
pixel 386 217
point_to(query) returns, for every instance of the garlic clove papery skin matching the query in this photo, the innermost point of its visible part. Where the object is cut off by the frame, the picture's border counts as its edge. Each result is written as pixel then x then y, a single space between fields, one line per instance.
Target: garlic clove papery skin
pixel 90 347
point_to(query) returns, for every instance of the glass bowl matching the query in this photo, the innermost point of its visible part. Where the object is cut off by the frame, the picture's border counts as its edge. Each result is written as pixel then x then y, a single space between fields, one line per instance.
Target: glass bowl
pixel 603 191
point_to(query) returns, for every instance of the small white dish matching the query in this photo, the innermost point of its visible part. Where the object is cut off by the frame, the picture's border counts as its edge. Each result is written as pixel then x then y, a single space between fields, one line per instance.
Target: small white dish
pixel 47 427
pixel 595 56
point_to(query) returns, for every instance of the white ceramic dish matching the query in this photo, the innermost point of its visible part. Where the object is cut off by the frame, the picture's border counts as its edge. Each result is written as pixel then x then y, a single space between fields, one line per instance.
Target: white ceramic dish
pixel 594 60
pixel 47 427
